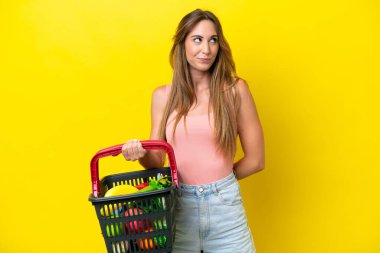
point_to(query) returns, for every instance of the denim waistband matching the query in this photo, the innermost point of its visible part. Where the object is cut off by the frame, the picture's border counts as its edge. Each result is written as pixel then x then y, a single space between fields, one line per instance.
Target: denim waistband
pixel 207 189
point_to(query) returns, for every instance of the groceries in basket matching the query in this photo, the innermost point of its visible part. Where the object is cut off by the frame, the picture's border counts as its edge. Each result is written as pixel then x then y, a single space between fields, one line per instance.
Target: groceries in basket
pixel 137 222
pixel 121 190
pixel 136 209
pixel 153 184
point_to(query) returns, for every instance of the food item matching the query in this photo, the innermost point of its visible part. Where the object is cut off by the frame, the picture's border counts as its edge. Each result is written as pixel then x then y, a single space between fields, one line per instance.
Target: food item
pixel 120 247
pixel 165 181
pixel 160 240
pixel 113 210
pixel 161 183
pixel 138 225
pixel 147 243
pixel 141 186
pixel 121 190
pixel 113 229
pixel 102 212
pixel 160 224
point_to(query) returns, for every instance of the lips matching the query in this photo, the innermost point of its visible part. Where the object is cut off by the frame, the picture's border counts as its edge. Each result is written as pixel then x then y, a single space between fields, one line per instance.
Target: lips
pixel 204 59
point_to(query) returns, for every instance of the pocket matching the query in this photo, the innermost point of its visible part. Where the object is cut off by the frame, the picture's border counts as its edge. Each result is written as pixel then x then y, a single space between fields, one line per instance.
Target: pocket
pixel 230 195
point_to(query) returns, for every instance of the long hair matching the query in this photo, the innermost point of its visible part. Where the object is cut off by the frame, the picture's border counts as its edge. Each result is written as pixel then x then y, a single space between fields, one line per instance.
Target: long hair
pixel 224 100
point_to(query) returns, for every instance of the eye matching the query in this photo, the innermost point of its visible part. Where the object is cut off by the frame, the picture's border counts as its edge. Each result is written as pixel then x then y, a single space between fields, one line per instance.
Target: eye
pixel 197 40
pixel 214 40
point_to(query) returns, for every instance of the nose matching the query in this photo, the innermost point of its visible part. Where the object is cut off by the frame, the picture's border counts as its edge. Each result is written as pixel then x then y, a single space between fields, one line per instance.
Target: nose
pixel 205 47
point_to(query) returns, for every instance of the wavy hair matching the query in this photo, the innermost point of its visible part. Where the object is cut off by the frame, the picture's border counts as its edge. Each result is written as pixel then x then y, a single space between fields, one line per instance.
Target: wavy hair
pixel 224 101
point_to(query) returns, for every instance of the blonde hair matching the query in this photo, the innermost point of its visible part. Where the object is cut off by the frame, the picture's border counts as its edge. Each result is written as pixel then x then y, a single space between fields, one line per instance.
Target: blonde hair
pixel 223 98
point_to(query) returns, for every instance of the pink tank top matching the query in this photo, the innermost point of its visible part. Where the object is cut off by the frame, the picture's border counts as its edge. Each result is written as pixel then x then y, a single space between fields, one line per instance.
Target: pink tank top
pixel 195 150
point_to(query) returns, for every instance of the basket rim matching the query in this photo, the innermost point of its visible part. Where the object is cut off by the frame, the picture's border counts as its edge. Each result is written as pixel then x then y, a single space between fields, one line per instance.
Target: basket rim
pixel 136 172
pixel 130 196
pixel 94 199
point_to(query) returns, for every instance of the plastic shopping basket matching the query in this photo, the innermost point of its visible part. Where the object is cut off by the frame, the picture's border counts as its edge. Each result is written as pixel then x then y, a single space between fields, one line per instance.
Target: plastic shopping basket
pixel 139 222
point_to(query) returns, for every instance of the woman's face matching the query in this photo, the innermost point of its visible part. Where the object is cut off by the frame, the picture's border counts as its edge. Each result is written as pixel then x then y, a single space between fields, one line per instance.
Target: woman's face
pixel 202 46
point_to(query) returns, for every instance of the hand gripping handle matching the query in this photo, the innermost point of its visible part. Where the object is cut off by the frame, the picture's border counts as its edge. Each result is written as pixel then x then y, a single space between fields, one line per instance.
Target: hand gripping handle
pixel 116 150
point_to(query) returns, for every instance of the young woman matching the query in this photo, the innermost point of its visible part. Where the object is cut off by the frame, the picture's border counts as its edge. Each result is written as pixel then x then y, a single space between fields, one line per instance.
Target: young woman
pixel 201 114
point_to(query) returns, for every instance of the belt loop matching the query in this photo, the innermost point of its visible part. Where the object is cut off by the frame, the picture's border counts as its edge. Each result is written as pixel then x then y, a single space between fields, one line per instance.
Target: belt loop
pixel 179 190
pixel 214 189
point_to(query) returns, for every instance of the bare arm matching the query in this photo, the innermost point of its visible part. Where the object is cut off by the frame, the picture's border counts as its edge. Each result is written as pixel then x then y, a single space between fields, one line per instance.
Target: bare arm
pixel 155 158
pixel 250 134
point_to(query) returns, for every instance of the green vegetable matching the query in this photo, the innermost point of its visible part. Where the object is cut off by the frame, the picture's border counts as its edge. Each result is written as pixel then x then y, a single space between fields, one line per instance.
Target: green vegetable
pixel 160 224
pixel 161 240
pixel 161 183
pixel 165 181
pixel 153 185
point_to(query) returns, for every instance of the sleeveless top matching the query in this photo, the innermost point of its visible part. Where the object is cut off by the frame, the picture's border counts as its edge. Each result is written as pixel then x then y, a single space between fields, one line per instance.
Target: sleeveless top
pixel 195 149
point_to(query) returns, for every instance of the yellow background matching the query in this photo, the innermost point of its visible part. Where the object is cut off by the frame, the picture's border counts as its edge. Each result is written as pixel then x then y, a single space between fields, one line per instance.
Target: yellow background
pixel 77 76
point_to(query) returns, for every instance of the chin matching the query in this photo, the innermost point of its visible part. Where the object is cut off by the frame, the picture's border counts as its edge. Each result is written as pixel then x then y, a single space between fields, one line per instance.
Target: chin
pixel 202 68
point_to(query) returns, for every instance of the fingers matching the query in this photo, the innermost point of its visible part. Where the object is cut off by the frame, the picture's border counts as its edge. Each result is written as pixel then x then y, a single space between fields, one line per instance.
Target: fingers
pixel 133 150
pixel 140 149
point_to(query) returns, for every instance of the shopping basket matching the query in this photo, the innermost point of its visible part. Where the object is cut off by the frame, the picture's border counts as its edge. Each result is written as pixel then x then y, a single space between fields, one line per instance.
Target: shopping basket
pixel 139 222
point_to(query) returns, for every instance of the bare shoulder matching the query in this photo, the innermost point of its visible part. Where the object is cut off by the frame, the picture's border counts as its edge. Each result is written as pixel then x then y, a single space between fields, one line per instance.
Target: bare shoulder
pixel 160 95
pixel 242 88
pixel 161 91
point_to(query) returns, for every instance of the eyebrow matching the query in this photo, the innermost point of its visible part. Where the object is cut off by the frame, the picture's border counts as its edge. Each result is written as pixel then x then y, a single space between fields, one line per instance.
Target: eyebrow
pixel 203 37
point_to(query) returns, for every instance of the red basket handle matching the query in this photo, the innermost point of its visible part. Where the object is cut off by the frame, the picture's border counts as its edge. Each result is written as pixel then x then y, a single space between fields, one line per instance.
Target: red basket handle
pixel 116 150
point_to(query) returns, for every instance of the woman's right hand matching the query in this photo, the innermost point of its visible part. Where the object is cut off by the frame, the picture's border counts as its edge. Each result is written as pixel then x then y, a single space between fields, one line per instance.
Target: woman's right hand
pixel 132 150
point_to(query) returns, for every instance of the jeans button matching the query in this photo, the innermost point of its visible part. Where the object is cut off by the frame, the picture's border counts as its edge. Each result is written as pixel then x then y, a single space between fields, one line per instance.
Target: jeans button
pixel 201 189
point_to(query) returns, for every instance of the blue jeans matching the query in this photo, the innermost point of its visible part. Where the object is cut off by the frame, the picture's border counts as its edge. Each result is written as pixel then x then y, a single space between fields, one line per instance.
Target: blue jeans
pixel 212 218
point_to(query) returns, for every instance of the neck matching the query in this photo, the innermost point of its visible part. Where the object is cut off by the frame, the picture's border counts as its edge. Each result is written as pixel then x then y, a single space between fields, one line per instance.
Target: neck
pixel 201 79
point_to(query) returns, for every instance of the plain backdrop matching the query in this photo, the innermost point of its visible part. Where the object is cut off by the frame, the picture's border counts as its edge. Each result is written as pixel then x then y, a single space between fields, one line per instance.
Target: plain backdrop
pixel 77 76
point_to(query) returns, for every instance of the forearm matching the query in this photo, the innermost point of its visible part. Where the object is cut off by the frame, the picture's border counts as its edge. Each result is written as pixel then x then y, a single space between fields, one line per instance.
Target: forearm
pixel 247 166
pixel 152 159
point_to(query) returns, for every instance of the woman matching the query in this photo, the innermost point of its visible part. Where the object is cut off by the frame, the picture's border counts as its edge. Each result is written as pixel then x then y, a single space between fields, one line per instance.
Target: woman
pixel 201 114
